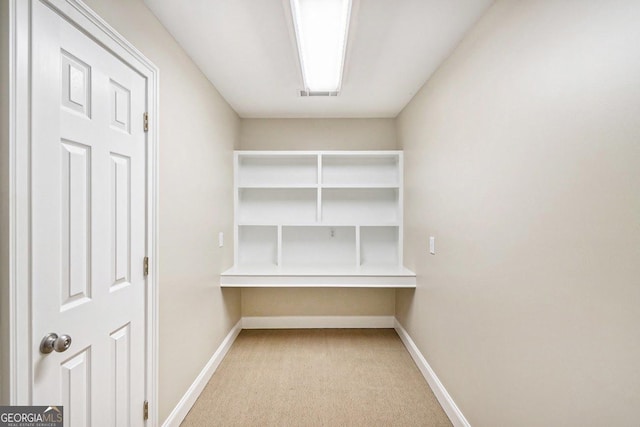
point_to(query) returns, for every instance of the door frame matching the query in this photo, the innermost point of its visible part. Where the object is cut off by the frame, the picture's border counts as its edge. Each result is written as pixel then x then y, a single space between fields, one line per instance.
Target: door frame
pixel 20 286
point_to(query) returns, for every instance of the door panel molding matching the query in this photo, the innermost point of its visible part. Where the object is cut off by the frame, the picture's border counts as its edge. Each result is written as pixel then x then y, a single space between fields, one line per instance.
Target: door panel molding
pixel 20 291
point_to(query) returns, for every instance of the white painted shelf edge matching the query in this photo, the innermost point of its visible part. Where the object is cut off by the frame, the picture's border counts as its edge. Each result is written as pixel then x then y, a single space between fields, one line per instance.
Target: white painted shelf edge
pixel 311 153
pixel 274 277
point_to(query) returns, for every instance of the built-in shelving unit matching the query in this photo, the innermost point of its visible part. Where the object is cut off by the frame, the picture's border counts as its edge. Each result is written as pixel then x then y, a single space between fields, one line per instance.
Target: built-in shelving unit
pixel 318 218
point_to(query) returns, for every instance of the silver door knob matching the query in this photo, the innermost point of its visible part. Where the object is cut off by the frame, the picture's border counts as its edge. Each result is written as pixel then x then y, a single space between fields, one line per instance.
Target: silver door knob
pixel 52 341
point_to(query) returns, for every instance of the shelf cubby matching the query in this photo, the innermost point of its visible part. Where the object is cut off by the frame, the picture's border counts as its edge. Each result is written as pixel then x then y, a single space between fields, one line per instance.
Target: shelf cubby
pixel 277 170
pixel 314 247
pixel 259 245
pixel 277 205
pixel 361 170
pixel 360 205
pixel 379 246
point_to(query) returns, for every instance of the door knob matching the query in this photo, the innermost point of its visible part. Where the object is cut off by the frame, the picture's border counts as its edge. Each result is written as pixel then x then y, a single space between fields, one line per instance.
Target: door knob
pixel 52 341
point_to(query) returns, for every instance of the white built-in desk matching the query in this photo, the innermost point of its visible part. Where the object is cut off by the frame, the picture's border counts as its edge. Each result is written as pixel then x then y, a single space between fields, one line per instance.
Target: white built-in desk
pixel 274 277
pixel 318 219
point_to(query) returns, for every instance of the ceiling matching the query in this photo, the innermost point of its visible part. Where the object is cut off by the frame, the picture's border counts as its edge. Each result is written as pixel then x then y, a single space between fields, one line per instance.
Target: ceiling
pixel 247 49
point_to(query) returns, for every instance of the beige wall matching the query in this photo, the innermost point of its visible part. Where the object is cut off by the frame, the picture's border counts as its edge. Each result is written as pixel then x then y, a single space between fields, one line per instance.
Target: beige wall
pixel 523 160
pixel 318 134
pixel 318 302
pixel 4 202
pixel 198 131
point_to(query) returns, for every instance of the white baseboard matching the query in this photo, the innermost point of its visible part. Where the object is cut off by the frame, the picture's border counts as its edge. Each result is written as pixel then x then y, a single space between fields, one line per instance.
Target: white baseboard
pixel 447 403
pixel 313 322
pixel 184 406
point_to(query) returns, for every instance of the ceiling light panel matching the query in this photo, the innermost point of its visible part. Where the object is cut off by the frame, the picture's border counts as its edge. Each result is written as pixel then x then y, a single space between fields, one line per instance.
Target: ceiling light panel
pixel 321 31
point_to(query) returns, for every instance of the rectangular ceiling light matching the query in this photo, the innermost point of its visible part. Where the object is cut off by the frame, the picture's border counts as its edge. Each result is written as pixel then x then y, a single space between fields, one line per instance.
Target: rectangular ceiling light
pixel 321 31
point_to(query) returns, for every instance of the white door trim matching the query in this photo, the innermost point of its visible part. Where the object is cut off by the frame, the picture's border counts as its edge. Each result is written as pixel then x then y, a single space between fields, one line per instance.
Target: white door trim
pixel 20 339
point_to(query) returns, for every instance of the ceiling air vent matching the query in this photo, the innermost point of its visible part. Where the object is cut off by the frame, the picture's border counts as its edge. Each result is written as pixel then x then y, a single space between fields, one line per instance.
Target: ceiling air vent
pixel 317 93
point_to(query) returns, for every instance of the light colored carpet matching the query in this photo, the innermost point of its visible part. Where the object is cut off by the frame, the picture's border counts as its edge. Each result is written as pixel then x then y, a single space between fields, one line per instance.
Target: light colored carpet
pixel 317 377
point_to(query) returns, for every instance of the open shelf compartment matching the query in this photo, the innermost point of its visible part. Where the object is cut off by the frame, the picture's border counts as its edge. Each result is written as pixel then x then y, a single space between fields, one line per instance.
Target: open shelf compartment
pixel 359 170
pixel 318 247
pixel 379 247
pixel 259 246
pixel 360 205
pixel 277 205
pixel 276 170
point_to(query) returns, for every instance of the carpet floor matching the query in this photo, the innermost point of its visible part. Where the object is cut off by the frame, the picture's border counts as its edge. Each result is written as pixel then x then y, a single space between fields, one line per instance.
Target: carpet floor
pixel 317 377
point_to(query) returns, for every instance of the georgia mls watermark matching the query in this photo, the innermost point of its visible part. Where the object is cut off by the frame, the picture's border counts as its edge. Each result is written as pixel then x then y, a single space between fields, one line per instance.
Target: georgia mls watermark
pixel 31 416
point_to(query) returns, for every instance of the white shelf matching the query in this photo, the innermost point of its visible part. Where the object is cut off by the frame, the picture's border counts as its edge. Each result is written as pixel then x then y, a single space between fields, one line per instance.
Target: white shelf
pixel 372 186
pixel 277 186
pixel 318 218
pixel 363 223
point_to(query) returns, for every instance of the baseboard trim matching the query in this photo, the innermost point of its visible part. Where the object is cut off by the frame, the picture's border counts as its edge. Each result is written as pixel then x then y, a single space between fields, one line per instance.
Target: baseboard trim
pixel 314 322
pixel 447 403
pixel 184 406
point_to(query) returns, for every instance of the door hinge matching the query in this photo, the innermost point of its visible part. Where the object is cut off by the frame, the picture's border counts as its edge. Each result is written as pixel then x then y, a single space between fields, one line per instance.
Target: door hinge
pixel 145 410
pixel 145 121
pixel 145 266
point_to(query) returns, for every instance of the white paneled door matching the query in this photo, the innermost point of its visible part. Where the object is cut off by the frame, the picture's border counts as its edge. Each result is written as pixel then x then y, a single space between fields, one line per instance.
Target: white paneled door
pixel 88 225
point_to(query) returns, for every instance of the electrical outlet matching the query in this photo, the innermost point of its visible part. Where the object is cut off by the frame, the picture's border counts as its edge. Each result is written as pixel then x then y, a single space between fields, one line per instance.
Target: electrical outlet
pixel 432 245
